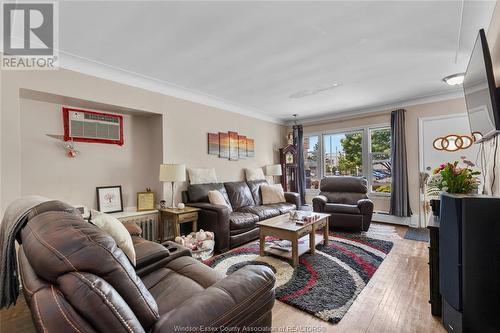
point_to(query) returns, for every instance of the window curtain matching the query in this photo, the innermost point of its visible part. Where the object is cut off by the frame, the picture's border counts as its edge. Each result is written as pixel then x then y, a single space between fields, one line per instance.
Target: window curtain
pixel 400 199
pixel 298 141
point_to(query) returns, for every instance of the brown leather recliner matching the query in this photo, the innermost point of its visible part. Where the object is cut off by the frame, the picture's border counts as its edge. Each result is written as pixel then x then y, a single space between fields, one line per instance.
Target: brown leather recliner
pixel 75 279
pixel 236 225
pixel 345 199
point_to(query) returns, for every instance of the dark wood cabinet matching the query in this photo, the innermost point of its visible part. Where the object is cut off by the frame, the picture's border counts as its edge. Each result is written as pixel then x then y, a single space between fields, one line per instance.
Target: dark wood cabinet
pixel 435 294
pixel 288 161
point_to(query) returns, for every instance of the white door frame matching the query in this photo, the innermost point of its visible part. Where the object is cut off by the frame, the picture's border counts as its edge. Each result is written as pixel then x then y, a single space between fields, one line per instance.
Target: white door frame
pixel 421 167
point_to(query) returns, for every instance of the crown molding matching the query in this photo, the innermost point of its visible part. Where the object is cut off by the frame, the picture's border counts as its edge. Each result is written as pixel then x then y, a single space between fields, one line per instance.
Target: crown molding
pixel 94 68
pixel 104 71
pixel 381 109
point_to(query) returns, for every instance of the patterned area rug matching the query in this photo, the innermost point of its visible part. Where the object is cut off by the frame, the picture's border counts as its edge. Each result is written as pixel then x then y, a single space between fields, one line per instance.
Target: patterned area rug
pixel 324 285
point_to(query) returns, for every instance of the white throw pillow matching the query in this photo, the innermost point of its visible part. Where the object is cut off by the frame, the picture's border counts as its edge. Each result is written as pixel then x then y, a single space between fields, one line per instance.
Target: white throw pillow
pixel 272 194
pixel 202 176
pixel 117 230
pixel 254 174
pixel 216 198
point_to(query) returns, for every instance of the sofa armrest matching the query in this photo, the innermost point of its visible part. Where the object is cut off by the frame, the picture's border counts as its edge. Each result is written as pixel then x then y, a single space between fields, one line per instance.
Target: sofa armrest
pixel 293 198
pixel 319 203
pixel 236 301
pixel 365 206
pixel 214 218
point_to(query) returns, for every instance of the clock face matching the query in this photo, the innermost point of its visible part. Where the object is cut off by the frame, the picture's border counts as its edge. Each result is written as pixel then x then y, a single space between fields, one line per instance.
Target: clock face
pixel 289 158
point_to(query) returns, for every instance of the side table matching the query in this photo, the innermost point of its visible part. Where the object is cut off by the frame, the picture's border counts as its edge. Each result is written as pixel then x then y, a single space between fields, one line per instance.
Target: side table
pixel 174 217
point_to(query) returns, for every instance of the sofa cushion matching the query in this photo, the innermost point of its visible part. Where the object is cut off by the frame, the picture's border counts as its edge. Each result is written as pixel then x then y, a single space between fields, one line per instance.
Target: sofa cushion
pixel 113 227
pixel 342 209
pixel 178 281
pixel 202 176
pixel 239 194
pixel 283 207
pixel 272 194
pixel 254 186
pixel 217 198
pixel 264 212
pixel 344 184
pixel 57 243
pixel 199 192
pixel 254 174
pixel 239 220
pixel 349 198
pixel 147 252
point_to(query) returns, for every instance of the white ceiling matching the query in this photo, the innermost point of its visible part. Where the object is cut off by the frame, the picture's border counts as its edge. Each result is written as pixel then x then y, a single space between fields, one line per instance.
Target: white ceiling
pixel 251 56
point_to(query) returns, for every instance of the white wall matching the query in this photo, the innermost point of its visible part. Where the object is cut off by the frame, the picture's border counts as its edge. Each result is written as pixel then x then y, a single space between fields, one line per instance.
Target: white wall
pixel 413 113
pixel 184 126
pixel 45 170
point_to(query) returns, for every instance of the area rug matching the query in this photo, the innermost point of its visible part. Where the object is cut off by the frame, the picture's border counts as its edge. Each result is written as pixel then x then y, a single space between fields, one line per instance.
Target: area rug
pixel 324 285
pixel 417 234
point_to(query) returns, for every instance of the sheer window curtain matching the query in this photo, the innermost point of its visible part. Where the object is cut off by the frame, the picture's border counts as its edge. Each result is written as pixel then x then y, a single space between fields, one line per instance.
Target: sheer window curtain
pixel 400 198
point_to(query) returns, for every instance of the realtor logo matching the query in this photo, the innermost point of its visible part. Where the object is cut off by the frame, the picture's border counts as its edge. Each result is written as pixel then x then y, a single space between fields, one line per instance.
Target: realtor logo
pixel 29 36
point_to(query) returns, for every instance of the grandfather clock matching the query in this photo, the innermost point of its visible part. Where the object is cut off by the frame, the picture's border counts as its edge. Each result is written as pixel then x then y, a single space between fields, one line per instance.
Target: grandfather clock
pixel 288 161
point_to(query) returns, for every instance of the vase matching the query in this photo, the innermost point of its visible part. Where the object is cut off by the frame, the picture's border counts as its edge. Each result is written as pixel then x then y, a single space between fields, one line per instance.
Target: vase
pixel 435 205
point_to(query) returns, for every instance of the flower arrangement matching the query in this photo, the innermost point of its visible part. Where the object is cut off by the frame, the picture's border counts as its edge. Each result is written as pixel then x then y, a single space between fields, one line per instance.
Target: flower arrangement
pixel 452 178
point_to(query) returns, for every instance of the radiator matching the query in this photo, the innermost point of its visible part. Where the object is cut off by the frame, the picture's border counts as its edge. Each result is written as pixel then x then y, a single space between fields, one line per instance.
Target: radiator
pixel 147 222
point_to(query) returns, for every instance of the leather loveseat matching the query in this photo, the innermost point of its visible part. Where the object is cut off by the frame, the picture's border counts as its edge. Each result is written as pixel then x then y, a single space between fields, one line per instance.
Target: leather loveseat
pixel 75 279
pixel 345 199
pixel 236 225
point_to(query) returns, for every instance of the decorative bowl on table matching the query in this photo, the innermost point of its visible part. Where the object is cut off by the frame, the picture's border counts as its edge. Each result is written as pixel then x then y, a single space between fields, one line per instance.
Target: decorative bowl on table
pixel 205 251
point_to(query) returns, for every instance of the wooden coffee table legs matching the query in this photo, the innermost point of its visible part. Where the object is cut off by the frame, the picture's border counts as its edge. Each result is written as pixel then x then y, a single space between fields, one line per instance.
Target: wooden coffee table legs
pixel 295 252
pixel 294 236
pixel 312 241
pixel 262 242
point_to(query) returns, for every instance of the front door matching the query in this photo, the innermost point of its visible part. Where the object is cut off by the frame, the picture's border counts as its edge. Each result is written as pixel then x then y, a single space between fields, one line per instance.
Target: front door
pixel 430 129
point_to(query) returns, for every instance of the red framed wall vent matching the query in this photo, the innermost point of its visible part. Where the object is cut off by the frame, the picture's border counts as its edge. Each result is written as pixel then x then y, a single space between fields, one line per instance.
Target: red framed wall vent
pixel 92 126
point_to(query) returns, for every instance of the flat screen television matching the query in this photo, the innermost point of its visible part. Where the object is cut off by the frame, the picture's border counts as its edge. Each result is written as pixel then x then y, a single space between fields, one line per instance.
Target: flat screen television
pixel 481 95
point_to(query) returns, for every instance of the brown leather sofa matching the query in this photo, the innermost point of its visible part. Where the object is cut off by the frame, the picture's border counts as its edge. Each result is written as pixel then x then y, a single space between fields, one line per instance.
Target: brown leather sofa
pixel 237 225
pixel 75 279
pixel 345 199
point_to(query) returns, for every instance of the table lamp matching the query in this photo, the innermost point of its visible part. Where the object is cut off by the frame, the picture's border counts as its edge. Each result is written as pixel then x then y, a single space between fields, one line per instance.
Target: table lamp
pixel 172 173
pixel 273 170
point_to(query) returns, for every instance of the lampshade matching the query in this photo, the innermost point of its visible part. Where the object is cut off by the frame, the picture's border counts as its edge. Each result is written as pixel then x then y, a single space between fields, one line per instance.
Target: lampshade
pixel 273 170
pixel 172 172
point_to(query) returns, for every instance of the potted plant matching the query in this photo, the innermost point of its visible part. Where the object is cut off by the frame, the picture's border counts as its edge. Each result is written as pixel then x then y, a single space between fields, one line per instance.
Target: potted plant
pixel 451 178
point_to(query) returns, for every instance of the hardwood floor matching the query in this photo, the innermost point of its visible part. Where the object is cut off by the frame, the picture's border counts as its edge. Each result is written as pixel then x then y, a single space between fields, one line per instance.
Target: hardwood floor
pixel 395 299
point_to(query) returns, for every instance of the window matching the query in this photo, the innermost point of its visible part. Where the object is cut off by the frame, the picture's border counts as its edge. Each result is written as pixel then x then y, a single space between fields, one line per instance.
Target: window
pixel 343 154
pixel 380 157
pixel 311 161
pixel 358 152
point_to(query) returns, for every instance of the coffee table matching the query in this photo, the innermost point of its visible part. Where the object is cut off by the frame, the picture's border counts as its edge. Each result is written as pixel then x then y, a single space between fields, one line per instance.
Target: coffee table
pixel 283 228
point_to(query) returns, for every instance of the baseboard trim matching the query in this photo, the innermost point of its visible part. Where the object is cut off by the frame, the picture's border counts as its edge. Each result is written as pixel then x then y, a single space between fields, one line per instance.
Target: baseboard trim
pixel 384 217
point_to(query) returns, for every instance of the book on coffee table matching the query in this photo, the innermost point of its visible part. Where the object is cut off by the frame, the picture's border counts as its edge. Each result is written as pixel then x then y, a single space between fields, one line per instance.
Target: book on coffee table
pixel 282 245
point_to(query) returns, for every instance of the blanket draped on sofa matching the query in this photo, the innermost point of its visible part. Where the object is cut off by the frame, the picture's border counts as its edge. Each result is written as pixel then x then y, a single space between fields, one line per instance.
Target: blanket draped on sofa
pixel 14 219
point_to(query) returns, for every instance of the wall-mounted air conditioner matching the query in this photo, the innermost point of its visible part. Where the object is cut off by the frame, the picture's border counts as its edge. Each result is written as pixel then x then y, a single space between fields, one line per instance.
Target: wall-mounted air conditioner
pixel 91 126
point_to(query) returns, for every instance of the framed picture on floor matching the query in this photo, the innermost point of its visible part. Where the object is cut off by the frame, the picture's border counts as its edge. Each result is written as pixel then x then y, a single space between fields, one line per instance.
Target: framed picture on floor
pixel 109 199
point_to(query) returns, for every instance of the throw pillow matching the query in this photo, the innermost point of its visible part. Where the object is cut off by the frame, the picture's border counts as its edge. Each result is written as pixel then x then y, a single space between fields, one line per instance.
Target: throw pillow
pixel 117 230
pixel 254 174
pixel 132 228
pixel 202 176
pixel 216 198
pixel 272 194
